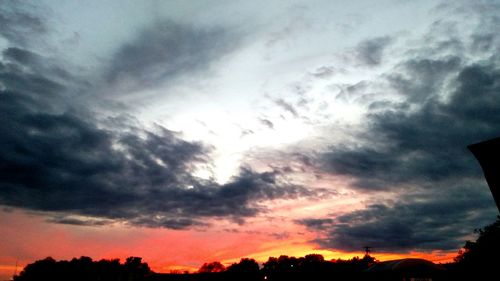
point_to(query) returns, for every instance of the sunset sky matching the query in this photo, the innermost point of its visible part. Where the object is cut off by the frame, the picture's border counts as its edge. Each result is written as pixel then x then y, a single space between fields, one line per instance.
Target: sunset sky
pixel 185 132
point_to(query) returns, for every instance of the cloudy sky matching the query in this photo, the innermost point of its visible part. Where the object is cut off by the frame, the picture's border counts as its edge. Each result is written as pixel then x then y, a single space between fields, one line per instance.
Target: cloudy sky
pixel 194 131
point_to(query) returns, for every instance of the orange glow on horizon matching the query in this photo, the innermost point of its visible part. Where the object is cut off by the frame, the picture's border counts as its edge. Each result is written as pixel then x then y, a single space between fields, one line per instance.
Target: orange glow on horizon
pixel 30 238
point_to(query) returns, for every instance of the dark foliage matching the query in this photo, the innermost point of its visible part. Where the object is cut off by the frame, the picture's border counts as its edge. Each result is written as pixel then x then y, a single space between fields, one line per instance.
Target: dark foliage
pixel 85 269
pixel 212 267
pixel 246 269
pixel 314 267
pixel 479 258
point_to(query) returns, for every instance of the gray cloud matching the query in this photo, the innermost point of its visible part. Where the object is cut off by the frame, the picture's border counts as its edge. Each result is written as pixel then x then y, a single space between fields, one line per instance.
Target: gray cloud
pixel 69 164
pixel 427 221
pixel 428 144
pixel 167 50
pixel 37 64
pixel 316 224
pixel 359 91
pixel 19 24
pixel 326 71
pixel 287 107
pixel 415 148
pixel 266 123
pixel 60 163
pixel 27 81
pixel 421 78
pixel 370 52
pixel 78 221
pixel 448 100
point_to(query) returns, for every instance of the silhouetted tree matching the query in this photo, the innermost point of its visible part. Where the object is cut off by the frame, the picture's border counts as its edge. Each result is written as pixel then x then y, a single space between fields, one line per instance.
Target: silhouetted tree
pixel 246 269
pixel 280 265
pixel 314 258
pixel 311 263
pixel 109 270
pixel 212 267
pixel 82 268
pixel 367 261
pixel 85 269
pixel 44 269
pixel 310 267
pixel 135 269
pixel 483 255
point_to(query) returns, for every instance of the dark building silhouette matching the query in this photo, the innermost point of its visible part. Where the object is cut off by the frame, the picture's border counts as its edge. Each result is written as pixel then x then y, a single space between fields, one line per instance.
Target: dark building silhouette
pixel 405 270
pixel 488 155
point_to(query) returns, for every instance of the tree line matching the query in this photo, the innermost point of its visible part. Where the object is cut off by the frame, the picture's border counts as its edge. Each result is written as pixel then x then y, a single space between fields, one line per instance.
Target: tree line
pixel 85 269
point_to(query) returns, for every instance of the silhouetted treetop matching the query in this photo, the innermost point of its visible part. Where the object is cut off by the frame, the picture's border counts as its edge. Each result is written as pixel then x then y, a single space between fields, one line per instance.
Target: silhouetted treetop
pixel 84 269
pixel 485 251
pixel 212 267
pixel 247 266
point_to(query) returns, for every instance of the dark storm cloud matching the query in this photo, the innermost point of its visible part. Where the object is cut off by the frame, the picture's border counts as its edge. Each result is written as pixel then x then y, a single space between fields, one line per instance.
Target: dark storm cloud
pixel 166 50
pixel 61 163
pixel 429 221
pixel 415 147
pixel 423 78
pixel 483 42
pixel 19 24
pixel 428 144
pixel 36 63
pixel 23 71
pixel 316 224
pixel 78 221
pixel 370 52
pixel 65 162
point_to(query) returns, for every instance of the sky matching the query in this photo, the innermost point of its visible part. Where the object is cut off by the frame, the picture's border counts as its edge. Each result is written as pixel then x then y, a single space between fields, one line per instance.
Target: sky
pixel 186 132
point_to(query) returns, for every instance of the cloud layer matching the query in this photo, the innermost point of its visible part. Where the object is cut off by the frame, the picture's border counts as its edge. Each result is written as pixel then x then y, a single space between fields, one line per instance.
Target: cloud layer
pixel 86 169
pixel 422 222
pixel 438 99
pixel 420 97
pixel 19 22
pixel 425 144
pixel 166 50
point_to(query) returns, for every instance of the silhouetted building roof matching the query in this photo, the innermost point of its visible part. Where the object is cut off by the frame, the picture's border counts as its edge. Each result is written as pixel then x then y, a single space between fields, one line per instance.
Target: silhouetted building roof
pixel 405 269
